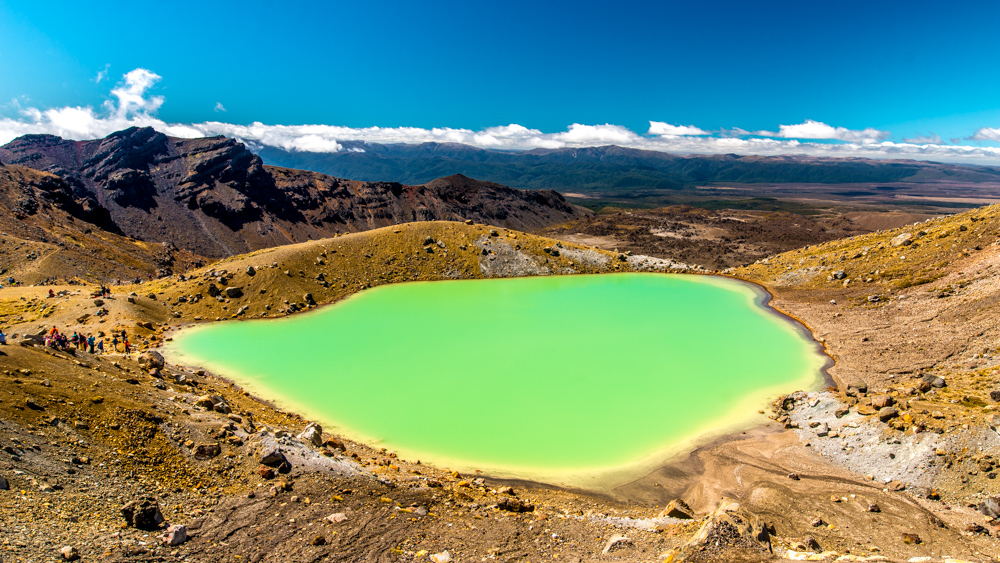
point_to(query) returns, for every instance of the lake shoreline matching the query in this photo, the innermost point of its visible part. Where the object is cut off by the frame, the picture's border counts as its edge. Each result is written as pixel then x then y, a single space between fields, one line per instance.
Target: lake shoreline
pixel 604 479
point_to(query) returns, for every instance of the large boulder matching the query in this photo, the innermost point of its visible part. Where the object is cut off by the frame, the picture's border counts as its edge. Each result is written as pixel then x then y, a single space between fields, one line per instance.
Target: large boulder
pixel 313 434
pixel 175 535
pixel 143 513
pixel 272 457
pixel 934 380
pixel 677 509
pixel 234 292
pixel 151 359
pixel 207 451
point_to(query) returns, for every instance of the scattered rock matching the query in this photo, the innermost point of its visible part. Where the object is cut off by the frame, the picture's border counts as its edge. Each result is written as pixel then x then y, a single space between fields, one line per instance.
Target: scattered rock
pixel 335 443
pixel 175 535
pixel 616 542
pixel 313 434
pixel 793 476
pixel 823 430
pixel 990 507
pixel 234 292
pixel 443 557
pixel 515 505
pixel 912 539
pixel 69 553
pixel 904 239
pixel 272 458
pixel 266 472
pixel 857 387
pixel 976 530
pixel 887 413
pixel 4 485
pixel 817 522
pixel 839 275
pixel 205 401
pixel 677 508
pixel 874 507
pixel 995 395
pixel 882 401
pixel 207 451
pixel 336 517
pixel 151 359
pixel 841 411
pixel 811 543
pixel 318 540
pixel 733 527
pixel 934 380
pixel 143 513
pixel 251 270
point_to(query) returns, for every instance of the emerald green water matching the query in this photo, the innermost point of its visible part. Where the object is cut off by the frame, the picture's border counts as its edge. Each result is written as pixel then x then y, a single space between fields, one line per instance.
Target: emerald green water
pixel 577 380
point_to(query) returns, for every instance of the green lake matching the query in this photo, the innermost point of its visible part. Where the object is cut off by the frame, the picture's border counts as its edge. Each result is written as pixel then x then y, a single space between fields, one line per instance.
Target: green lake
pixel 575 380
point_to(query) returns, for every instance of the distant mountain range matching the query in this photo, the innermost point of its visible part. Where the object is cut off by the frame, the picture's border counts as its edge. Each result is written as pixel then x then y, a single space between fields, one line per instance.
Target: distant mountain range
pixel 214 198
pixel 610 170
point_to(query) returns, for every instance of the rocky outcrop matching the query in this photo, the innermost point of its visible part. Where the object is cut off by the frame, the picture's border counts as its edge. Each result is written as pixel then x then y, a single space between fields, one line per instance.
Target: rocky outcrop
pixel 214 197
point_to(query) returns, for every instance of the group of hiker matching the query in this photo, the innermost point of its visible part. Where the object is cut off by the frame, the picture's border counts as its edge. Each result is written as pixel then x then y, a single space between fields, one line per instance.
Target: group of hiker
pixel 86 343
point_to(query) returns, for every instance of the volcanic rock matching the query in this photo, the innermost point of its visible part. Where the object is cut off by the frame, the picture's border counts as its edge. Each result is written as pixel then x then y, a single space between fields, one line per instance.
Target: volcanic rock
pixel 143 513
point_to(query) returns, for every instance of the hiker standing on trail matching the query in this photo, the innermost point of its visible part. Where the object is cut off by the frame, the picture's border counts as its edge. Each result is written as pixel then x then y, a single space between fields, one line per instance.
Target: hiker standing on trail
pixel 128 347
pixel 3 337
pixel 114 342
pixel 90 342
pixel 100 346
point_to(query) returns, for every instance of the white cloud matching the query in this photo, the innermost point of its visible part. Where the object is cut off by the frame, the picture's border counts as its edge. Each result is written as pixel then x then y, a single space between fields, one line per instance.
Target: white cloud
pixel 132 99
pixel 661 128
pixel 821 131
pixel 929 139
pixel 219 107
pixel 986 134
pixel 134 105
pixel 102 74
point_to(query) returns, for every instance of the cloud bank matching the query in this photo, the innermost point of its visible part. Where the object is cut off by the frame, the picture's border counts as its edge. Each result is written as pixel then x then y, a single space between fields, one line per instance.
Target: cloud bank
pixel 929 139
pixel 986 134
pixel 132 105
pixel 821 131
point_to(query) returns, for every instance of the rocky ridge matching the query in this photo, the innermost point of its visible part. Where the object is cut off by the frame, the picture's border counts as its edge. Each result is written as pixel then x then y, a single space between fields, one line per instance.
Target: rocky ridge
pixel 215 198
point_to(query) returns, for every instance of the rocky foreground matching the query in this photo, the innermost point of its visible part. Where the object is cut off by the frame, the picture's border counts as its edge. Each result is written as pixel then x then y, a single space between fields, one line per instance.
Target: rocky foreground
pixel 123 458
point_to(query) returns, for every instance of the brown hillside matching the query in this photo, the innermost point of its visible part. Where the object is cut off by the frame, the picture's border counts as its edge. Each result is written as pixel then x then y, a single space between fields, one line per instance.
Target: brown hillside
pixel 42 239
pixel 215 198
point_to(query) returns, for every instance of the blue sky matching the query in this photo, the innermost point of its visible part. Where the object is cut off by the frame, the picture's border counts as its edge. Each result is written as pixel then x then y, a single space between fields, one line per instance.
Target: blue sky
pixel 900 70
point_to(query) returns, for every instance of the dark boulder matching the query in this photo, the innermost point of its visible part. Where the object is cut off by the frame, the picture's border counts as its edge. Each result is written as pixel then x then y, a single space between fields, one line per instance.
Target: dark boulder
pixel 143 514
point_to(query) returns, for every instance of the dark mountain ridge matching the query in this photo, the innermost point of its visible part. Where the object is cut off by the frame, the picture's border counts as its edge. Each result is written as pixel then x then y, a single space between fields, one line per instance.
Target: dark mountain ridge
pixel 612 170
pixel 214 197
